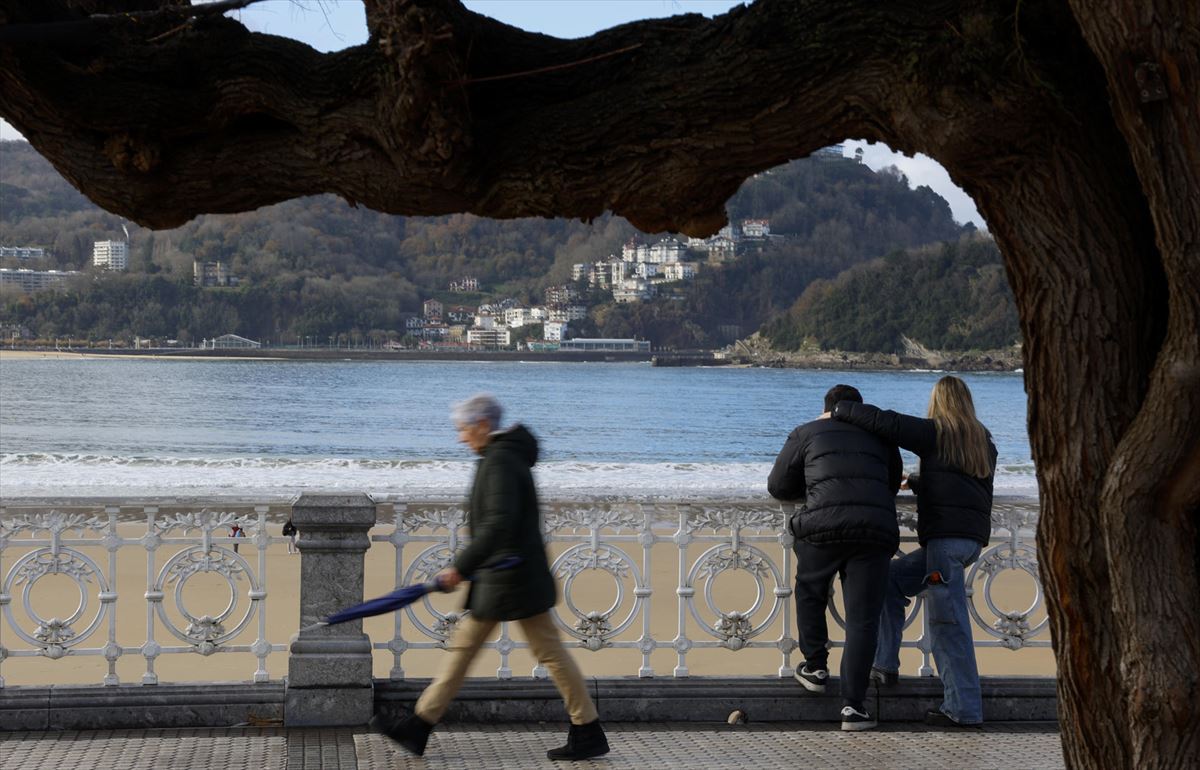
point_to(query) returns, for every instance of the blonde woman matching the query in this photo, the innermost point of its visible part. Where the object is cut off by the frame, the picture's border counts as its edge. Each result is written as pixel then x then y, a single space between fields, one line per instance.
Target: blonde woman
pixel 954 507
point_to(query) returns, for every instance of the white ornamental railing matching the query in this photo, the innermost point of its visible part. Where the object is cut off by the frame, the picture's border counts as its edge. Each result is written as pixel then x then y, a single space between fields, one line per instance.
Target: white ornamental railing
pixel 617 542
pixel 178 546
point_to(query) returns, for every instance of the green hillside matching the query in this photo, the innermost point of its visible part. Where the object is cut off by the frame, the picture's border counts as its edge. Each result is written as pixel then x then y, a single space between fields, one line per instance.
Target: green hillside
pixel 949 297
pixel 320 267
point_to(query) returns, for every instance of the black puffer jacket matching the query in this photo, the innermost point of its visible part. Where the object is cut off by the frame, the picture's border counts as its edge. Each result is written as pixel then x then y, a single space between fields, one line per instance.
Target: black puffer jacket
pixel 504 521
pixel 950 503
pixel 846 477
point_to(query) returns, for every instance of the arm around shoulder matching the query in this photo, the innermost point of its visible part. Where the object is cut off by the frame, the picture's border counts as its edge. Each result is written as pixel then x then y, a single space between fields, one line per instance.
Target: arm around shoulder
pixel 915 434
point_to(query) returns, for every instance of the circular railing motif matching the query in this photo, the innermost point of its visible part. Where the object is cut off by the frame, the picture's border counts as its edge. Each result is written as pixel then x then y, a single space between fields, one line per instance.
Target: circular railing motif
pixel 55 636
pixel 735 628
pixel 205 632
pixel 427 564
pixel 1012 628
pixel 596 629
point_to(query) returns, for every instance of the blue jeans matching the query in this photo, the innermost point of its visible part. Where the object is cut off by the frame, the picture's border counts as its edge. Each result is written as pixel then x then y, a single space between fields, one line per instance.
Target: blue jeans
pixel 949 621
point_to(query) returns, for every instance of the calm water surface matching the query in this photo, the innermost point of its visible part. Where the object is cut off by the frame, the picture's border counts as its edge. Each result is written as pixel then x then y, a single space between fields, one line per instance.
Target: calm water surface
pixel 122 428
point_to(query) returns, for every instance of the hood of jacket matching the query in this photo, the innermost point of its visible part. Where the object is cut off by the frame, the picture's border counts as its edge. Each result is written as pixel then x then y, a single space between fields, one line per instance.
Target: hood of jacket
pixel 517 440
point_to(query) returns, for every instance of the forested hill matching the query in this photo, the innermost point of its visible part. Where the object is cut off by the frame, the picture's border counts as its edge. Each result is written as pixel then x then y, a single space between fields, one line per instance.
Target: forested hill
pixel 319 266
pixel 949 297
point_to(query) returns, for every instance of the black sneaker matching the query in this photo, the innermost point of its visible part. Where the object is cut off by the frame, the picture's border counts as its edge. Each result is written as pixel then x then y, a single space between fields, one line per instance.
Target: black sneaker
pixel 854 720
pixel 939 718
pixel 411 732
pixel 884 678
pixel 813 679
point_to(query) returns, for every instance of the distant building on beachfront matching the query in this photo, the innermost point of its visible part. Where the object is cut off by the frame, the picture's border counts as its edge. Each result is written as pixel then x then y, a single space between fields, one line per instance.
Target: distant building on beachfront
pixel 30 281
pixel 110 255
pixel 492 337
pixel 229 342
pixel 432 310
pixel 12 332
pixel 602 345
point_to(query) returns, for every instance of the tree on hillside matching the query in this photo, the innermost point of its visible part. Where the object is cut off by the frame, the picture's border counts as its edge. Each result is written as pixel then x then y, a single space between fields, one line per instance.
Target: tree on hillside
pixel 1072 123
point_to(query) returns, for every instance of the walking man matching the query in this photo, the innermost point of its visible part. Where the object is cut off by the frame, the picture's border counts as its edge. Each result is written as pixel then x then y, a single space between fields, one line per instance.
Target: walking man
pixel 504 521
pixel 847 479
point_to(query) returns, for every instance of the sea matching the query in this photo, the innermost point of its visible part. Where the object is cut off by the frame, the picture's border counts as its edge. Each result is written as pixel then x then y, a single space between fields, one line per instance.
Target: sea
pixel 261 430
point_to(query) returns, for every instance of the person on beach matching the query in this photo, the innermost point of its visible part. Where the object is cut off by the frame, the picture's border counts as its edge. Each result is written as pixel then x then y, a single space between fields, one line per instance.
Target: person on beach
pixel 954 521
pixel 236 532
pixel 847 479
pixel 504 521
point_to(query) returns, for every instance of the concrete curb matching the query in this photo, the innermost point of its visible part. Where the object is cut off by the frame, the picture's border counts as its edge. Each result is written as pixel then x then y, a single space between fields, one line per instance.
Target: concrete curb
pixel 620 699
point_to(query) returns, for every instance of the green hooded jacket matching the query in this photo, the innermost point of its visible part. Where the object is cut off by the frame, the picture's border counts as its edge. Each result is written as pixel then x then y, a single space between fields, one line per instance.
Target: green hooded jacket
pixel 503 520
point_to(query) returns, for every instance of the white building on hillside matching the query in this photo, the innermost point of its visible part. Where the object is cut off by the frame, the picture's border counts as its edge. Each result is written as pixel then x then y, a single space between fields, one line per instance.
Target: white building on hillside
pixel 516 317
pixel 666 250
pixel 22 252
pixel 756 228
pixel 721 249
pixel 679 271
pixel 567 313
pixel 29 281
pixel 633 290
pixel 554 331
pixel 110 255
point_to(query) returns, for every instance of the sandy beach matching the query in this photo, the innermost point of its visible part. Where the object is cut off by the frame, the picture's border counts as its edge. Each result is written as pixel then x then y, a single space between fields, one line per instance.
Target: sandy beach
pixel 56 596
pixel 75 355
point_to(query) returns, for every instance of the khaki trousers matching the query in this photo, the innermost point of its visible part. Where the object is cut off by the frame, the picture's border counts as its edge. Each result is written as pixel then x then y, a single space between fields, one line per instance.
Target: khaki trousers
pixel 544 643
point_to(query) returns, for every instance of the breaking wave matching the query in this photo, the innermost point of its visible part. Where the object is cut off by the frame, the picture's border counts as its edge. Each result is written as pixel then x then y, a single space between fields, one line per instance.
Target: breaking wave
pixel 41 475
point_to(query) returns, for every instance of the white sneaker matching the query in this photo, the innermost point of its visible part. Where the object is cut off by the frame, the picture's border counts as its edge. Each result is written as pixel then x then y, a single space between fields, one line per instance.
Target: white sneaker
pixel 854 720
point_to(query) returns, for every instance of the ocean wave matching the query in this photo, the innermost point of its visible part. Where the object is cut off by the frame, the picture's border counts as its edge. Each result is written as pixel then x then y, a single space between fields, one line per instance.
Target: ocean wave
pixel 38 474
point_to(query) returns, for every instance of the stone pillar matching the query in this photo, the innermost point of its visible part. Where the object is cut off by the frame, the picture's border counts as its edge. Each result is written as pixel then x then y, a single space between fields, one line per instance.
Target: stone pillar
pixel 329 669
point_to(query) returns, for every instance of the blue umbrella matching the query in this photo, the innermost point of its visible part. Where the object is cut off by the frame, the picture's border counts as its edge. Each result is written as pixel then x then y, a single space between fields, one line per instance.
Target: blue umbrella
pixel 398 599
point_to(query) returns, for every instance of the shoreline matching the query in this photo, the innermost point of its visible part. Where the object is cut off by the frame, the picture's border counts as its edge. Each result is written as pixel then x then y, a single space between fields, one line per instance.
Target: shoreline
pixel 863 362
pixel 323 354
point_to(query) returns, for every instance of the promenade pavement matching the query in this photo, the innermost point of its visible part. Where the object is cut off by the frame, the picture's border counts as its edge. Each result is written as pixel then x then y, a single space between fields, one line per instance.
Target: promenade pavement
pixel 483 747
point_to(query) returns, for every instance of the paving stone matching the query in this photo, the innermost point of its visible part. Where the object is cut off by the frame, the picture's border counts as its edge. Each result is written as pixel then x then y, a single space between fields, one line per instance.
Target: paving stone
pixel 219 749
pixel 768 746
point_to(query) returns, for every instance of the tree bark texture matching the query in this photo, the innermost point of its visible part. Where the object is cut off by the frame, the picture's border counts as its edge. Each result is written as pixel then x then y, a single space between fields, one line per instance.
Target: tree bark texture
pixel 1072 123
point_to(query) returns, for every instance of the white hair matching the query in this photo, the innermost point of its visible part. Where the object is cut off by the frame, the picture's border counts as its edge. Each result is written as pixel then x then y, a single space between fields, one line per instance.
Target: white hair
pixel 481 406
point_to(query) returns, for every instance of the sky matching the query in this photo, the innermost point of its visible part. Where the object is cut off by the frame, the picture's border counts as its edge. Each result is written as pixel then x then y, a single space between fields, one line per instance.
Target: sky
pixel 330 25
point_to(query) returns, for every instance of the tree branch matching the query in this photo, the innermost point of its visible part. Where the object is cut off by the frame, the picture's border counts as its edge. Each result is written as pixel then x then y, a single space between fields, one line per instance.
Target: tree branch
pixel 419 121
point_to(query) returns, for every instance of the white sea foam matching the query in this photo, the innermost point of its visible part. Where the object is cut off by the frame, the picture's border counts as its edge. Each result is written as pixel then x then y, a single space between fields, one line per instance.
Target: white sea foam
pixel 37 475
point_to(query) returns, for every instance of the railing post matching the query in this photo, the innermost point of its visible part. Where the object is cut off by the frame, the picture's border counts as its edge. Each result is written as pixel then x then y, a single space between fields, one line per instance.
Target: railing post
pixel 329 669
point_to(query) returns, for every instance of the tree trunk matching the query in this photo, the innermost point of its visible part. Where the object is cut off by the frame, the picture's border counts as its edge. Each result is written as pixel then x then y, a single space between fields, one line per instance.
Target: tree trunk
pixel 1150 502
pixel 1072 123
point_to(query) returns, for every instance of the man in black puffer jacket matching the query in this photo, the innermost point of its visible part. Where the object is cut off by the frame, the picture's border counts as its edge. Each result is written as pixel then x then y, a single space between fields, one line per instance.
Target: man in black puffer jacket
pixel 848 481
